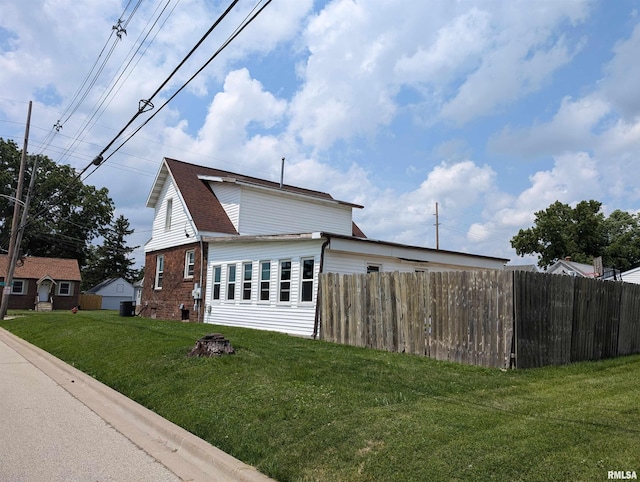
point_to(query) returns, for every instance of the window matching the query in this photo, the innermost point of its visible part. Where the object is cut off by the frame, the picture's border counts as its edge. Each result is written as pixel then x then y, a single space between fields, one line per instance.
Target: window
pixel 168 214
pixel 285 280
pixel 217 272
pixel 231 282
pixel 64 288
pixel 265 280
pixel 307 280
pixel 247 269
pixel 373 268
pixel 159 271
pixel 189 263
pixel 19 287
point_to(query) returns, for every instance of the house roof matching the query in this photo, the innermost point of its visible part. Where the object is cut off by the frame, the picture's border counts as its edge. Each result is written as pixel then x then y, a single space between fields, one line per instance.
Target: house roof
pixel 34 267
pixel 101 285
pixel 565 266
pixel 204 207
pixel 326 235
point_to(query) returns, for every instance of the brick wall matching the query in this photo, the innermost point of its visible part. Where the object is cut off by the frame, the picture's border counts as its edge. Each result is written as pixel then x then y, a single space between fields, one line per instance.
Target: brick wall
pixel 176 289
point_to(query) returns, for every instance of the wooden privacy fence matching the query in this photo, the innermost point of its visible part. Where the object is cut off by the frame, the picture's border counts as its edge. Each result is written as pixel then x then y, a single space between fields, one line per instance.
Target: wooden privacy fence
pixel 488 318
pixel 90 302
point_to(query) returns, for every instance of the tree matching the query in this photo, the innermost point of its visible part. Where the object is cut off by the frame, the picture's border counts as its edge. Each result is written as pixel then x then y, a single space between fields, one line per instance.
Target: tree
pixel 582 233
pixel 623 232
pixel 65 215
pixel 111 259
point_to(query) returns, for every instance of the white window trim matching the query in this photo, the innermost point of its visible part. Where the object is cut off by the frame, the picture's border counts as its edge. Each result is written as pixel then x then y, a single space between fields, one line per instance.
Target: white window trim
pixel 307 280
pixel 159 260
pixel 215 283
pixel 373 265
pixel 59 290
pixel 168 214
pixel 244 281
pixel 187 264
pixel 24 287
pixel 280 281
pixel 228 283
pixel 263 280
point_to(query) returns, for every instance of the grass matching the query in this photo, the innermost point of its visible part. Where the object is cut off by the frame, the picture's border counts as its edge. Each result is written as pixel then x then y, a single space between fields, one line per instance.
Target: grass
pixel 308 410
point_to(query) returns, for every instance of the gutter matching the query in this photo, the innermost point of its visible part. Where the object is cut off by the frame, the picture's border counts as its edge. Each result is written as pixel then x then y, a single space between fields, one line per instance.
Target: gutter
pixel 199 302
pixel 316 323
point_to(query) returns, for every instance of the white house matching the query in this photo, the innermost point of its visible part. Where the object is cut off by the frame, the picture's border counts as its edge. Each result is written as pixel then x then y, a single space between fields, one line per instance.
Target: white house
pixel 631 276
pixel 113 292
pixel 236 250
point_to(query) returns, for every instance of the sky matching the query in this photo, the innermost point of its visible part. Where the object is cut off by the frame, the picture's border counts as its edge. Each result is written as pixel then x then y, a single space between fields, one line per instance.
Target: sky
pixel 491 110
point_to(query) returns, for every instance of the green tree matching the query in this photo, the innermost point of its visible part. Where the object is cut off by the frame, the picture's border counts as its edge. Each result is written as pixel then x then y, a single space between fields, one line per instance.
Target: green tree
pixel 65 215
pixel 623 236
pixel 582 233
pixel 111 259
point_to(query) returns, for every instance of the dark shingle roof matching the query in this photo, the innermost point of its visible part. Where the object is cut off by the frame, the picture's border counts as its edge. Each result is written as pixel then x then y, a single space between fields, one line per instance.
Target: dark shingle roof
pixel 205 208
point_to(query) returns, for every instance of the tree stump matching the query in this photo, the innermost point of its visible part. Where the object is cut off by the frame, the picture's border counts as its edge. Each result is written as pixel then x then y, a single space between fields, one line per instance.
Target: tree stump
pixel 213 344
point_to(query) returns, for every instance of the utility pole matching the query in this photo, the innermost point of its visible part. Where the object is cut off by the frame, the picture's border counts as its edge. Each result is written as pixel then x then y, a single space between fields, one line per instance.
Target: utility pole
pixel 437 230
pixel 16 225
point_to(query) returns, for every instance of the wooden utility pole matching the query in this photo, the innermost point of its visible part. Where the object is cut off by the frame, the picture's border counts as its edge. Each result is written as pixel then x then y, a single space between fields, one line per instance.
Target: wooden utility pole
pixel 16 225
pixel 437 230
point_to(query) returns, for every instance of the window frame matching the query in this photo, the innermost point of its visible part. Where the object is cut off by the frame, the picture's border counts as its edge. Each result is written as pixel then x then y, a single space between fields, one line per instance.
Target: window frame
pixel 168 215
pixel 23 289
pixel 305 281
pixel 189 265
pixel 282 281
pixel 231 284
pixel 264 282
pixel 64 283
pixel 373 268
pixel 216 283
pixel 157 281
pixel 247 283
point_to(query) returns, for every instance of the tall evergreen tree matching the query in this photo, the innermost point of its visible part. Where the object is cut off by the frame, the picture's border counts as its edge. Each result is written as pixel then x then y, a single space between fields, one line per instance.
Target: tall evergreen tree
pixel 111 259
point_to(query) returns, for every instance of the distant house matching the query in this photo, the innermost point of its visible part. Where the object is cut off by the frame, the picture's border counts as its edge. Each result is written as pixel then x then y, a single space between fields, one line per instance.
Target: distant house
pixel 113 291
pixel 631 276
pixel 571 268
pixel 236 250
pixel 43 283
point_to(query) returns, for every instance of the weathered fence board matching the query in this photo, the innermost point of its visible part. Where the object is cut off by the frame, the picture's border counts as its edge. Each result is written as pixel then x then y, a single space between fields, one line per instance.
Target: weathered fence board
pixel 90 301
pixel 487 318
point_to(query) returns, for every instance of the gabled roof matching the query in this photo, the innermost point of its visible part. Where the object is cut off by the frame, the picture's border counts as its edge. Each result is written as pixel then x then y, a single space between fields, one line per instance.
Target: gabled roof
pixel 36 268
pixel 568 267
pixel 205 209
pixel 101 285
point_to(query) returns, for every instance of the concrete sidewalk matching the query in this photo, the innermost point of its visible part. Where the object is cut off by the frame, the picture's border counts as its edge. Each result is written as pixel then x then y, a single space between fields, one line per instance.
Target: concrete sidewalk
pixel 59 424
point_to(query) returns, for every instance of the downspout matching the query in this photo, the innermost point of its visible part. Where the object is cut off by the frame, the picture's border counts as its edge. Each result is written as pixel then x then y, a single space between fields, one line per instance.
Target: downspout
pixel 316 324
pixel 200 305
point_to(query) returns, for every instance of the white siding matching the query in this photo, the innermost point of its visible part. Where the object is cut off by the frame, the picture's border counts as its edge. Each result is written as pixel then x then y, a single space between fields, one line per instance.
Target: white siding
pixel 264 212
pixel 632 276
pixel 229 197
pixel 162 238
pixel 351 263
pixel 292 317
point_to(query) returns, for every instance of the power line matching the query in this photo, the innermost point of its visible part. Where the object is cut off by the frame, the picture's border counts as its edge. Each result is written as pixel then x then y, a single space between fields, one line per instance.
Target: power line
pixel 248 19
pixel 146 104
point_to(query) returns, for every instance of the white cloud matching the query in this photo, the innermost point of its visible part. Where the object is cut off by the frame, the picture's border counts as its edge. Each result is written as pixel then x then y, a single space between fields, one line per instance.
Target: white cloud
pixel 622 74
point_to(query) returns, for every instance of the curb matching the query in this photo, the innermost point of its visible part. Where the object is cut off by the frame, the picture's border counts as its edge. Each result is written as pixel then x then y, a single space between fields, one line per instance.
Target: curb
pixel 188 456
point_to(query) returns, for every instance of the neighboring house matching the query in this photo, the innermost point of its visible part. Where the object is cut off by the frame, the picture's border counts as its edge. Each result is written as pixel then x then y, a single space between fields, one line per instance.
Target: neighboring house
pixel 631 276
pixel 137 291
pixel 571 268
pixel 43 283
pixel 113 291
pixel 236 250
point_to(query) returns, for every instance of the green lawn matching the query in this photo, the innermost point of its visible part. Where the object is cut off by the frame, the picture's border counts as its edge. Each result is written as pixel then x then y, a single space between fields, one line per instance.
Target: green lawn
pixel 300 409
